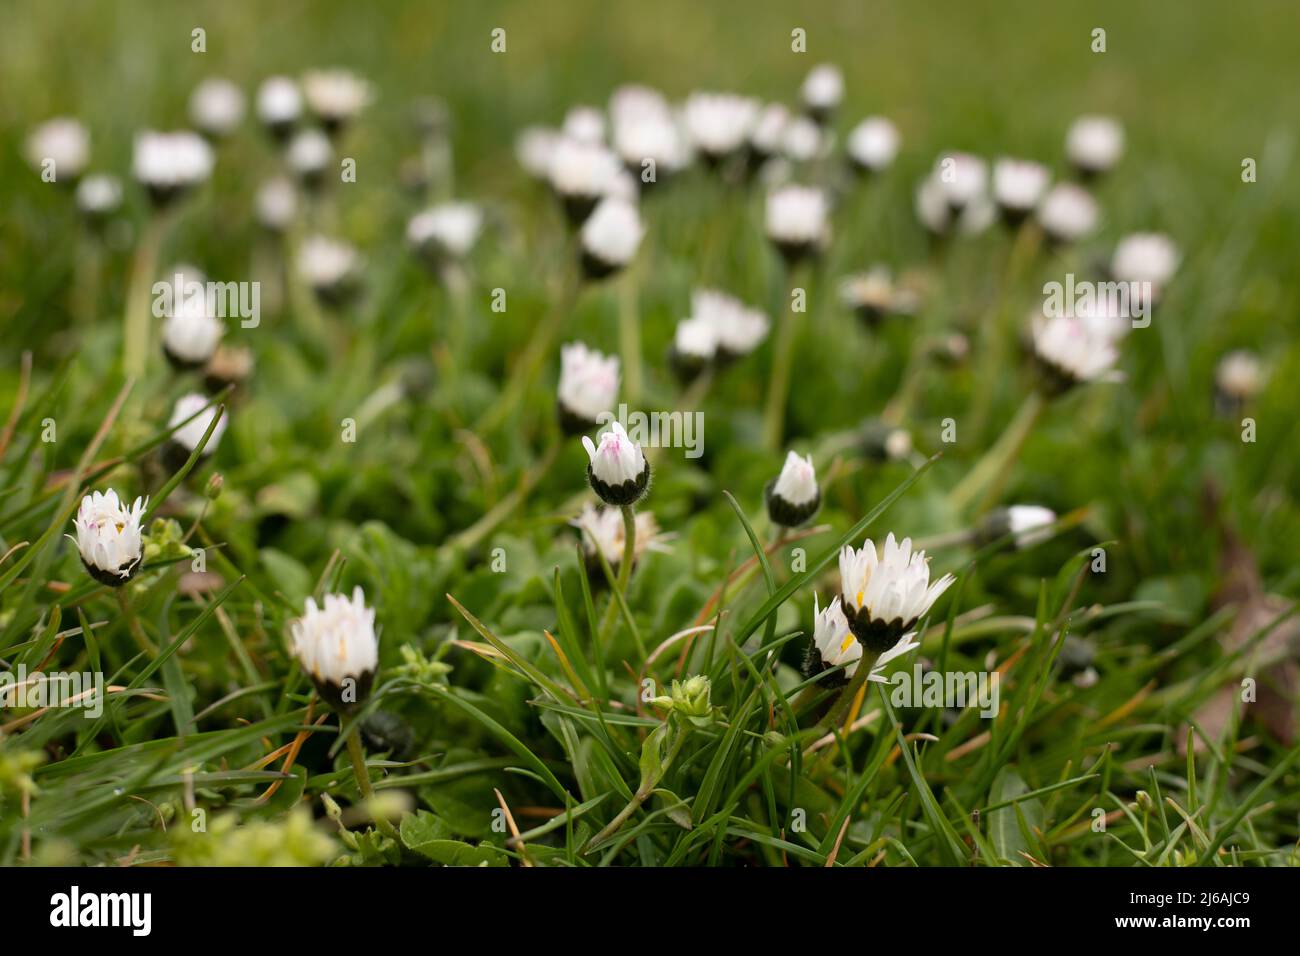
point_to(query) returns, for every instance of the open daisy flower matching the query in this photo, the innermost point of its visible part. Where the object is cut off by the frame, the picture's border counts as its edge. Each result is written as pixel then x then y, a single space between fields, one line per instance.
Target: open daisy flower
pixel 582 174
pixel 833 645
pixel 602 534
pixel 884 594
pixel 793 496
pixel 797 221
pixel 1067 213
pixel 335 96
pixel 1070 352
pixel 194 411
pixel 330 267
pixel 718 124
pixel 1149 259
pixel 737 329
pixel 695 346
pixel 873 144
pixel 588 387
pixel 618 471
pixel 446 232
pixel 217 107
pixel 170 164
pixel 63 142
pixel 337 646
pixel 109 537
pixel 308 156
pixel 1018 186
pixel 610 238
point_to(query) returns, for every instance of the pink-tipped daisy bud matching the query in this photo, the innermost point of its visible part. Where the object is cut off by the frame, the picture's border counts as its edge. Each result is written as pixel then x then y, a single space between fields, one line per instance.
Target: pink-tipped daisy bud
pixel 610 238
pixel 445 233
pixel 60 146
pixel 1067 213
pixel 793 496
pixel 618 471
pixel 197 413
pixel 191 332
pixel 216 107
pixel 279 105
pixel 797 221
pixel 337 647
pixel 885 594
pixel 873 144
pixel 718 124
pixel 1094 144
pixel 695 345
pixel 170 164
pixel 822 91
pixel 588 387
pixel 335 96
pixel 1027 525
pixel 1070 353
pixel 109 537
pixel 1018 185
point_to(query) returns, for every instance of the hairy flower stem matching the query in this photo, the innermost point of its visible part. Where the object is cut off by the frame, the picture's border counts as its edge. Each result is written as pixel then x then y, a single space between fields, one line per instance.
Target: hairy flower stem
pixel 133 624
pixel 629 335
pixel 359 771
pixel 779 385
pixel 624 573
pixel 646 788
pixel 840 709
pixel 136 319
pixel 984 482
pixel 499 512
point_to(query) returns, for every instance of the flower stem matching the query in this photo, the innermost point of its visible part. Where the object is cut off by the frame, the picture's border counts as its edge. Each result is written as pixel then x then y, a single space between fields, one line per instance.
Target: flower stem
pixel 642 792
pixel 779 386
pixel 359 771
pixel 835 716
pixel 984 482
pixel 135 320
pixel 485 525
pixel 133 624
pixel 624 573
pixel 629 335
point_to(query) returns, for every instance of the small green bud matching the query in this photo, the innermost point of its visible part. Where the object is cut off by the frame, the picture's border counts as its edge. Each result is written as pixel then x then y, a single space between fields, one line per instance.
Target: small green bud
pixel 1144 801
pixel 213 489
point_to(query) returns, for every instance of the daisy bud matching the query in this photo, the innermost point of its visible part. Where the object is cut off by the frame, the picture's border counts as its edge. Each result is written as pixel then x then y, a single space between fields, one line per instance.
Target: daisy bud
pixel 880 441
pixel 190 332
pixel 793 496
pixel 870 295
pixel 690 700
pixel 822 91
pixel 99 196
pixel 803 140
pixel 534 149
pixel 1067 213
pixel 632 101
pixel 737 329
pixel 586 124
pixel 335 96
pixel 212 490
pixel 651 136
pixel 1238 378
pixel 883 596
pixel 231 365
pixel 276 204
pixel 695 345
pixel 619 472
pixel 1069 353
pixel 1145 258
pixel 186 438
pixel 109 537
pixel 718 124
pixel 602 534
pixel 581 174
pixel 446 232
pixel 1018 185
pixel 1094 144
pixel 216 107
pixel 337 647
pixel 873 144
pixel 331 267
pixel 767 134
pixel 588 387
pixel 309 156
pixel 279 105
pixel 797 221
pixel 170 164
pixel 963 180
pixel 610 238
pixel 1028 525
pixel 62 141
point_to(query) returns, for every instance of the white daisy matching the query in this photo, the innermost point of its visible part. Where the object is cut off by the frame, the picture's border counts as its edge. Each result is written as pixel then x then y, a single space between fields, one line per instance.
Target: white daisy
pixel 822 90
pixel 1067 213
pixel 793 496
pixel 447 231
pixel 602 533
pixel 335 96
pixel 191 330
pixel 610 237
pixel 167 164
pixel 276 204
pixel 279 104
pixel 337 646
pixel 217 106
pixel 618 470
pixel 109 537
pixel 885 594
pixel 1018 185
pixel 99 195
pixel 1094 144
pixel 1069 353
pixel 718 124
pixel 588 386
pixel 191 433
pixel 797 220
pixel 62 141
pixel 873 144
pixel 737 328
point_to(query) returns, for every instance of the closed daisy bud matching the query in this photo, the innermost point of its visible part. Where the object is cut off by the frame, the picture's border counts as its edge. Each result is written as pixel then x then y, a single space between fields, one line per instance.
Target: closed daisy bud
pixel 216 107
pixel 1069 353
pixel 1238 378
pixel 963 180
pixel 586 124
pixel 822 91
pixel 718 124
pixel 331 267
pixel 873 144
pixel 1145 257
pixel 884 595
pixel 276 204
pixel 170 164
pixel 279 105
pixel 335 96
pixel 63 142
pixel 337 647
pixel 610 237
pixel 619 472
pixel 1094 144
pixel 534 148
pixel 650 139
pixel 581 174
pixel 768 133
pixel 191 332
pixel 695 345
pixel 446 232
pixel 99 196
pixel 1027 524
pixel 231 365
pixel 737 329
pixel 109 537
pixel 588 387
pixel 880 441
pixel 797 221
pixel 309 156
pixel 1067 213
pixel 870 295
pixel 194 410
pixel 602 534
pixel 1018 185
pixel 793 496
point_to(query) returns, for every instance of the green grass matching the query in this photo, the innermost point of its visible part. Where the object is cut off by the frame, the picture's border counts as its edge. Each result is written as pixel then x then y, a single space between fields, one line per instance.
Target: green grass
pixel 506 696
